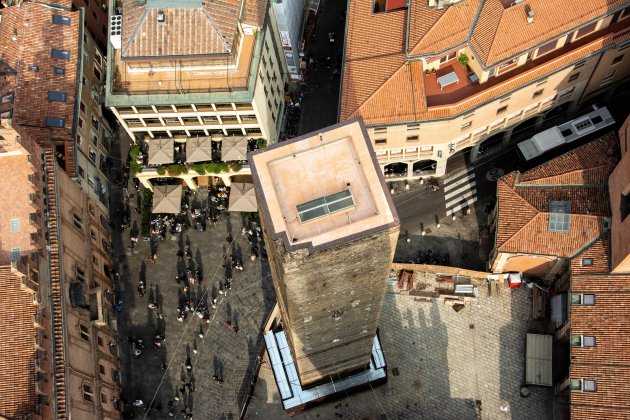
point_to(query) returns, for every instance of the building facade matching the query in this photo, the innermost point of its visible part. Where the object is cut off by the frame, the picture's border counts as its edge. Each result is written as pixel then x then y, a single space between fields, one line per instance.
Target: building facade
pixel 291 18
pixel 54 239
pixel 433 82
pixel 231 84
pixel 330 236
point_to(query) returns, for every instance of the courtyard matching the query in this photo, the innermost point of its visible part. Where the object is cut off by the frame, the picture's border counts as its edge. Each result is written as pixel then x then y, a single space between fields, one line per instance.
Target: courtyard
pixel 442 364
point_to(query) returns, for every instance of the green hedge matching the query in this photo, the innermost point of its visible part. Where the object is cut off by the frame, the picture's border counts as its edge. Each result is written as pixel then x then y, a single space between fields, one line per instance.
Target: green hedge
pixel 134 150
pixel 199 168
pixel 235 166
pixel 174 170
pixel 161 170
pixel 260 143
pixel 147 204
pixel 135 167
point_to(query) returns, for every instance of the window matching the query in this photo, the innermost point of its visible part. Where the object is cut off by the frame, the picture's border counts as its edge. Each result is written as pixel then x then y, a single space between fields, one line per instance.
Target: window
pixel 101 369
pixel 60 20
pixel 98 58
pixel 380 130
pixel 324 206
pixel 60 54
pixel 14 225
pixel 578 340
pixel 559 216
pixel 81 172
pixel 92 235
pixel 466 126
pixel 15 253
pixel 380 141
pixel 87 393
pixel 502 110
pixel 82 106
pixel 583 385
pixel 582 299
pixel 9 97
pixel 568 93
pixel 546 48
pixel 80 275
pixel 33 68
pixel 92 155
pixel 542 82
pixel 59 70
pixel 504 99
pixel 85 332
pixel 586 262
pixel 99 340
pixel 537 93
pixel 580 64
pixel 413 127
pixel 55 122
pixel 585 30
pixel 412 138
pixel 103 398
pixel 608 77
pixel 448 57
pixel 97 73
pixel 57 96
pixel 574 77
pixel 467 116
pixel 77 221
pixel 617 60
pixel 625 206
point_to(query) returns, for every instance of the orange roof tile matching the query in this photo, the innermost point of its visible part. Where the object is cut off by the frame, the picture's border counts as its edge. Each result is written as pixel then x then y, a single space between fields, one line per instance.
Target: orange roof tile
pixel 608 363
pixel 17 353
pixel 579 177
pixel 502 32
pixel 375 52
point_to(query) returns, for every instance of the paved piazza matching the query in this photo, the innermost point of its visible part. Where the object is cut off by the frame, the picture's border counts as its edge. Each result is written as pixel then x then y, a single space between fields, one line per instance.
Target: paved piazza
pixel 451 365
pixel 233 356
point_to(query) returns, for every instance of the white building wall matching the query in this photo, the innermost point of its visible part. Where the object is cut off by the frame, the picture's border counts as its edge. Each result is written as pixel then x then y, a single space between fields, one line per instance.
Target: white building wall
pixel 290 16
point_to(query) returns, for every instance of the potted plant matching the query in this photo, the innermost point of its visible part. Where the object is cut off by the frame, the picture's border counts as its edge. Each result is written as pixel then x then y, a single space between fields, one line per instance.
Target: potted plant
pixel 463 59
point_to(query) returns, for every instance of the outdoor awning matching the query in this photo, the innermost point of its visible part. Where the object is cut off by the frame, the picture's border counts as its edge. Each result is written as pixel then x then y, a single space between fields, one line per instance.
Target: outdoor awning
pixel 234 148
pixel 538 364
pixel 161 151
pixel 167 199
pixel 242 198
pixel 198 149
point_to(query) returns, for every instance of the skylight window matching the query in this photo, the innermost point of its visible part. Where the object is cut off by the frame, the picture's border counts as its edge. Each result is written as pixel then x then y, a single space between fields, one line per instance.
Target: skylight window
pixel 325 205
pixel 559 216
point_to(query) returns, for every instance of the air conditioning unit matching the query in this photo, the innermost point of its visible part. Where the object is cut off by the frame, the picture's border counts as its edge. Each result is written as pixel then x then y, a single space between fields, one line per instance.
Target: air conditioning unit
pixel 115 31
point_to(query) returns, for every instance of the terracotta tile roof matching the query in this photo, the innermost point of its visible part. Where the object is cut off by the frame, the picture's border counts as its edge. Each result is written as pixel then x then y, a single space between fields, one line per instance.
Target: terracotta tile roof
pixel 501 32
pixel 523 201
pixel 190 28
pixel 598 253
pixel 26 39
pixel 17 353
pixel 609 361
pixel 432 31
pixel 375 52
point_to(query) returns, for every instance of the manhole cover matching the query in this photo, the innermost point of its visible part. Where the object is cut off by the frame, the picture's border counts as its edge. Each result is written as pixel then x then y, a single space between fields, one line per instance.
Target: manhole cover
pixel 395 372
pixel 494 174
pixel 471 326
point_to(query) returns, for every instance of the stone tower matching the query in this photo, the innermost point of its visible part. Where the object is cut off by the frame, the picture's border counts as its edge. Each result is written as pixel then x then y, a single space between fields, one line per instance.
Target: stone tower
pixel 330 229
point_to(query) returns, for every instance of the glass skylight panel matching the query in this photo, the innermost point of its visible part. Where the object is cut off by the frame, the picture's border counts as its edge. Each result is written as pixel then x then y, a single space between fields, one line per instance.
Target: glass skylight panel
pixel 559 216
pixel 325 205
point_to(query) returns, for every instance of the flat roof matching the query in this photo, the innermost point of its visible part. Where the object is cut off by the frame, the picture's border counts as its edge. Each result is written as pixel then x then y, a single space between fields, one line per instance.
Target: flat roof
pixel 319 165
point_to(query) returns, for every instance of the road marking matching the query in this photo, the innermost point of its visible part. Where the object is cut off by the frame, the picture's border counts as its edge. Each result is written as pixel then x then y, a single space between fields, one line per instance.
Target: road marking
pixel 450 212
pixel 459 190
pixel 460 198
pixel 470 177
pixel 456 175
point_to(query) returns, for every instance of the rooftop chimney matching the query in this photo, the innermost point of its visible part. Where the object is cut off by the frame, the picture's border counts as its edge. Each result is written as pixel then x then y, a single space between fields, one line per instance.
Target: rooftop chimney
pixel 530 16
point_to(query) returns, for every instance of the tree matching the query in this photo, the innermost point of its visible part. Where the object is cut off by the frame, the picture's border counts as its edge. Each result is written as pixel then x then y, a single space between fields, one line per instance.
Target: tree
pixel 463 59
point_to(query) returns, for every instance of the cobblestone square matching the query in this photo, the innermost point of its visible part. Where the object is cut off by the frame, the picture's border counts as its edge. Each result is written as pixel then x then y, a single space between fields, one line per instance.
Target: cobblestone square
pixel 213 348
pixel 442 364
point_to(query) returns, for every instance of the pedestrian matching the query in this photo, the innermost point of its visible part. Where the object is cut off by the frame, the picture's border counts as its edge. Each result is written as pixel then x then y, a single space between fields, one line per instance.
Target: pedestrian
pixel 188 363
pixel 235 329
pixel 228 324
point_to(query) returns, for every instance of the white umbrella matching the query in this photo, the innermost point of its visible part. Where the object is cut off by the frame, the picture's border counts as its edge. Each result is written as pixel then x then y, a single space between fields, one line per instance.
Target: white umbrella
pixel 167 199
pixel 242 198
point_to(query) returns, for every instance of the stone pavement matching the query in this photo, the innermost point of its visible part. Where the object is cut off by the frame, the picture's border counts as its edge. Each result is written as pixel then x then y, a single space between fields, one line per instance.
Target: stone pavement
pixel 441 364
pixel 219 350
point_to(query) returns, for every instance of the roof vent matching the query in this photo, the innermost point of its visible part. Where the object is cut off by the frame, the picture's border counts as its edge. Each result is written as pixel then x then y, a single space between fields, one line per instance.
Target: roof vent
pixel 115 31
pixel 161 17
pixel 530 16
